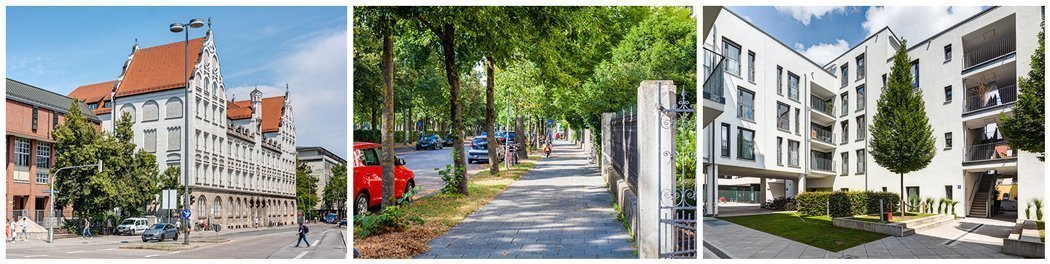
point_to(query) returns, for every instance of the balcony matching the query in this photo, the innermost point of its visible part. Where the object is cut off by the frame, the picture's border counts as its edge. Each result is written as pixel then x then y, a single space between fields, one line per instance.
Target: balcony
pixel 989 51
pixel 994 96
pixel 821 105
pixel 714 86
pixel 989 152
pixel 818 163
pixel 821 134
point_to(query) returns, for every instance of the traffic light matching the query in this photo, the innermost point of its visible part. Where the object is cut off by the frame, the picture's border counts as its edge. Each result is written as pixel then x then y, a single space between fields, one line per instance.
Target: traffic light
pixel 193 200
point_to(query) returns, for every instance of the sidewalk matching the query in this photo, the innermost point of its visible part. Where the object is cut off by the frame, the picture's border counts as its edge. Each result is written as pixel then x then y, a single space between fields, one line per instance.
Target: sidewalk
pixel 560 209
pixel 949 241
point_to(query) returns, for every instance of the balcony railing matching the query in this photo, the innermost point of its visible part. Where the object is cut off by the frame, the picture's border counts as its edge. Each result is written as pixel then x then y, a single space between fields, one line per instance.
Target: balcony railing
pixel 994 49
pixel 821 105
pixel 821 134
pixel 978 100
pixel 732 66
pixel 989 151
pixel 821 164
pixel 715 80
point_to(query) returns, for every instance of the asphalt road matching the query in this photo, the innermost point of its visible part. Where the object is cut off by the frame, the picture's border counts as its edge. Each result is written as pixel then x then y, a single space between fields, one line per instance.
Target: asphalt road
pixel 424 163
pixel 327 242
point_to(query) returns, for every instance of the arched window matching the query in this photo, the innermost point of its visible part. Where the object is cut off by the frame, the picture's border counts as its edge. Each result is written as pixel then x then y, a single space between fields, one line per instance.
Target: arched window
pixel 127 109
pixel 216 209
pixel 173 108
pixel 150 111
pixel 202 206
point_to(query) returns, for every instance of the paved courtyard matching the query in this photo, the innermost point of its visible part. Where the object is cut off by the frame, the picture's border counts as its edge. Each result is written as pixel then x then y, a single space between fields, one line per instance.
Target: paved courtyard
pixel 968 238
pixel 560 209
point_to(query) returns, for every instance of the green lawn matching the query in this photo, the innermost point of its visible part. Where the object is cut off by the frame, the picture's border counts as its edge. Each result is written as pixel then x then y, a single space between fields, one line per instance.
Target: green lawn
pixel 896 217
pixel 815 231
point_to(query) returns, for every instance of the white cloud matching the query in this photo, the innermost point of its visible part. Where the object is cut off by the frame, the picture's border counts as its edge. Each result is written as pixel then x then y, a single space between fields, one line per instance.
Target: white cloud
pixel 316 75
pixel 915 23
pixel 805 13
pixel 822 53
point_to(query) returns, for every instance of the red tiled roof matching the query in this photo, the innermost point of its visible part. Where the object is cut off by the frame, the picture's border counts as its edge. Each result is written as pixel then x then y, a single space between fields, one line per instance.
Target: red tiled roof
pixel 160 68
pixel 94 93
pixel 239 110
pixel 272 111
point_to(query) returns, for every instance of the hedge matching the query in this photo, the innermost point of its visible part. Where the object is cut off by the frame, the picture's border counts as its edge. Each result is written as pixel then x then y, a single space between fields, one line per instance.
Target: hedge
pixel 845 203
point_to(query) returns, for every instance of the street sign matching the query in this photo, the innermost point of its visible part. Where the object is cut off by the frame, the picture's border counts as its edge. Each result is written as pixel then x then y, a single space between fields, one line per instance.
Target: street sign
pixel 169 199
pixel 50 191
pixel 185 213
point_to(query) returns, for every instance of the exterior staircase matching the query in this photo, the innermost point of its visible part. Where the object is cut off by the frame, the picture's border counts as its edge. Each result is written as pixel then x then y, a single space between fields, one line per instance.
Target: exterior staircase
pixel 980 203
pixel 925 223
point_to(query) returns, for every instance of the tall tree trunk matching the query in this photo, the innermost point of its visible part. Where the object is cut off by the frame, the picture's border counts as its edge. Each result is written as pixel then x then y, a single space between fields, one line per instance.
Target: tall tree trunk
pixel 519 138
pixel 490 115
pixel 388 119
pixel 375 118
pixel 448 42
pixel 903 195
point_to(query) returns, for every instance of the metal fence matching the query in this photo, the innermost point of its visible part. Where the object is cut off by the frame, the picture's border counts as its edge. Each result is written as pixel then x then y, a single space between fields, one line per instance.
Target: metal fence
pixel 989 151
pixel 993 49
pixel 677 233
pixel 623 148
pixel 994 96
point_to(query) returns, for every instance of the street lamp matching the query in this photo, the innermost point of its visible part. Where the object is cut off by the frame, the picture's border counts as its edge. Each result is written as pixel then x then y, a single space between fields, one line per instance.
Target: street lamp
pixel 176 28
pixel 54 195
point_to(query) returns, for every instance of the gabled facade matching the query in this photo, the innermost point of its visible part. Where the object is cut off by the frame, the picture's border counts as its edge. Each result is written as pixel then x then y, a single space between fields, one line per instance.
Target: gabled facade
pixel 243 153
pixel 817 140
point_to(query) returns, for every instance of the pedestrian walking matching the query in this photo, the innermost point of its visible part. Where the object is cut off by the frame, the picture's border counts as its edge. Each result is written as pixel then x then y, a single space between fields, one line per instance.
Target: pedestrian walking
pixel 547 149
pixel 7 230
pixel 13 226
pixel 24 226
pixel 303 230
pixel 87 230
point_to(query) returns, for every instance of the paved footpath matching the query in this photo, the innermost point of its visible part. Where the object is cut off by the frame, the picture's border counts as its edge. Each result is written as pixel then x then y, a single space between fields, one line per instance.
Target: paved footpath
pixel 560 209
pixel 954 241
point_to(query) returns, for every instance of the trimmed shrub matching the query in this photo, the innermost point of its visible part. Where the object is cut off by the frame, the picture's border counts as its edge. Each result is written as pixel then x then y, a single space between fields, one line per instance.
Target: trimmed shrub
pixel 813 203
pixel 890 201
pixel 846 203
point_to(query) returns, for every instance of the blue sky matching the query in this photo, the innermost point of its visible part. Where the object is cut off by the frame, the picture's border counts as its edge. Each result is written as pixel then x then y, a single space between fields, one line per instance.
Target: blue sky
pixel 821 33
pixel 60 48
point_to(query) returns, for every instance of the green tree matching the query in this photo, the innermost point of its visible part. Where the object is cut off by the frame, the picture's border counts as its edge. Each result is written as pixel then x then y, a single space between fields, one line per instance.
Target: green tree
pixel 130 172
pixel 334 195
pixel 383 23
pixel 305 189
pixel 902 139
pixel 1026 128
pixel 75 145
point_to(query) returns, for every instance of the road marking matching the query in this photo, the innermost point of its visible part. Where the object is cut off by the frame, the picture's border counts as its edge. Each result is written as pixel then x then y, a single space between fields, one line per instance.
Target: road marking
pixel 33 256
pixel 154 255
pixel 71 252
pixel 108 249
pixel 316 241
pixel 177 251
pixel 301 255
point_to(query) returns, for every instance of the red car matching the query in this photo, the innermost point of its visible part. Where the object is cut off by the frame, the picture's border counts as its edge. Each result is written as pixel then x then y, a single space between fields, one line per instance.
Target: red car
pixel 368 176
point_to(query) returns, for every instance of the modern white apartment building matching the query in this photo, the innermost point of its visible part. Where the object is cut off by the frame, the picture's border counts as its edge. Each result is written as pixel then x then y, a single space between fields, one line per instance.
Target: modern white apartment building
pixel 243 152
pixel 772 113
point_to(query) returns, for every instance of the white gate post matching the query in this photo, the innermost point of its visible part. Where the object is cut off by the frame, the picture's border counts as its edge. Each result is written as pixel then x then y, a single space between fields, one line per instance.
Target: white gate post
pixel 603 161
pixel 655 170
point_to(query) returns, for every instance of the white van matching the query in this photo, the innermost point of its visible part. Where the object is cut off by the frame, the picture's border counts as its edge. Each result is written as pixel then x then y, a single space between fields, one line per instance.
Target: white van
pixel 133 226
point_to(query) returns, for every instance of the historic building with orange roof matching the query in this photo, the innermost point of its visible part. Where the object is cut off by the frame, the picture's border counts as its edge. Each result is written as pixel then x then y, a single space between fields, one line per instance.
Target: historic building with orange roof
pixel 243 152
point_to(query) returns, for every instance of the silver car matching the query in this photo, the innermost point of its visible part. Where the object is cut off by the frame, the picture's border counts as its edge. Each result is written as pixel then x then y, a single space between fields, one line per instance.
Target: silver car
pixel 479 150
pixel 160 232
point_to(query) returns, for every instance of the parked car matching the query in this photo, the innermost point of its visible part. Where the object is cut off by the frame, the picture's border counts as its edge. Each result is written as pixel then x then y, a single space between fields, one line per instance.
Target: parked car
pixel 506 136
pixel 429 142
pixel 479 150
pixel 449 140
pixel 160 232
pixel 368 173
pixel 133 226
pixel 329 218
pixel 342 223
